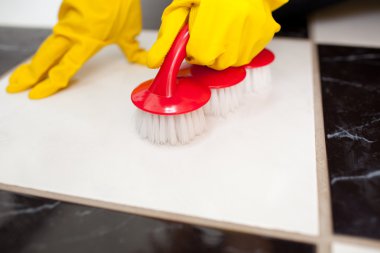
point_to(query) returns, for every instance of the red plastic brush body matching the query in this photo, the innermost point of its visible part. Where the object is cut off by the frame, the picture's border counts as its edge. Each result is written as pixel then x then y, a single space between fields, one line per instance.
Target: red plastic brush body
pixel 264 58
pixel 168 94
pixel 215 79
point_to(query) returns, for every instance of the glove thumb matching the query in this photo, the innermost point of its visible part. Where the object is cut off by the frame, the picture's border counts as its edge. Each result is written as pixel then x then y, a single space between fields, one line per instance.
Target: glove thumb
pixel 173 19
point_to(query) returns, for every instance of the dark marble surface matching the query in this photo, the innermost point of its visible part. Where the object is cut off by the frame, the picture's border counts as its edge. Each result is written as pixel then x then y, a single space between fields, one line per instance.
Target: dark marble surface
pixel 17 44
pixel 293 27
pixel 351 100
pixel 30 225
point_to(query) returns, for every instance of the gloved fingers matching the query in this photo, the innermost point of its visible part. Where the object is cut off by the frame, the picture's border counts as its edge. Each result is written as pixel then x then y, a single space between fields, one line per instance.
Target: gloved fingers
pixel 247 48
pixel 173 19
pixel 259 31
pixel 44 89
pixel 133 22
pixel 127 41
pixel 226 33
pixel 49 53
pixel 254 31
pixel 60 75
pixel 270 27
pixel 216 44
pixel 133 52
pixel 234 49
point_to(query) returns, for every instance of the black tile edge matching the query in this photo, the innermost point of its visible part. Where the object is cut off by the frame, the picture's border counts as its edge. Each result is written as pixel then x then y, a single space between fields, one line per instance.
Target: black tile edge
pixel 351 105
pixel 32 224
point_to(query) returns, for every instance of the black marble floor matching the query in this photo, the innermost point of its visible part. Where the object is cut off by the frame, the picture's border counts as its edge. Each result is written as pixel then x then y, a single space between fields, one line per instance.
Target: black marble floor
pixel 351 98
pixel 30 225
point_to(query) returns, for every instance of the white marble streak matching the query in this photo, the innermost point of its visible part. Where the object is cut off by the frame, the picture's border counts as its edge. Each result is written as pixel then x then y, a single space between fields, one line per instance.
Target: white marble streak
pixel 352 58
pixel 343 133
pixel 29 210
pixel 367 87
pixel 370 175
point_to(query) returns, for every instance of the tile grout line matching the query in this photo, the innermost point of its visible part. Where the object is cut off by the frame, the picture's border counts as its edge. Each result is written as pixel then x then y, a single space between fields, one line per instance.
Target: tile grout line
pixel 323 186
pixel 173 217
pixel 327 235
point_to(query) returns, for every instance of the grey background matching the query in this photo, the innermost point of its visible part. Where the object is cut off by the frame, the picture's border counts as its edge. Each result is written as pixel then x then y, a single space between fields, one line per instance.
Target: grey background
pixel 152 11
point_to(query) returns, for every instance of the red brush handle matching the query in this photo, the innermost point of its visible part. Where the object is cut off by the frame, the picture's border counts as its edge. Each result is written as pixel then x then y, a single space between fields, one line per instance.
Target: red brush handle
pixel 166 80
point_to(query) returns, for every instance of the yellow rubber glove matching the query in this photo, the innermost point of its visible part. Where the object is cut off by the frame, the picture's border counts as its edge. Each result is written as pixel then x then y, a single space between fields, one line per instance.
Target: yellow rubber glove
pixel 84 27
pixel 223 33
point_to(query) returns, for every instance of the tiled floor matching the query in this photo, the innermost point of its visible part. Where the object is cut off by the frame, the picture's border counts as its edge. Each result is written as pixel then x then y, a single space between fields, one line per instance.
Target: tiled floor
pixel 351 91
pixel 350 223
pixel 204 179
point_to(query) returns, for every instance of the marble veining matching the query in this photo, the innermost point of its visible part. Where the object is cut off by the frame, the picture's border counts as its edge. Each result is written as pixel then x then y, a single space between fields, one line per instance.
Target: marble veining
pixel 353 57
pixel 343 133
pixel 351 103
pixel 37 225
pixel 350 83
pixel 368 176
pixel 29 210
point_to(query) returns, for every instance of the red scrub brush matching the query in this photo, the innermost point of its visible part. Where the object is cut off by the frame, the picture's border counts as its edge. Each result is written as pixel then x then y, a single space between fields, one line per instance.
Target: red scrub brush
pixel 227 88
pixel 170 107
pixel 259 72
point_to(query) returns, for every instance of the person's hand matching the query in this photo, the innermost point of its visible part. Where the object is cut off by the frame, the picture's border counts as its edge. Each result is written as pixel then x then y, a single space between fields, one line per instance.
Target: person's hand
pixel 223 33
pixel 84 27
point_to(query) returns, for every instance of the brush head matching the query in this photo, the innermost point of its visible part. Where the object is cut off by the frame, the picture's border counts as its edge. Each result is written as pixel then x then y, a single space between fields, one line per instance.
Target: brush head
pixel 227 87
pixel 189 96
pixel 225 100
pixel 259 80
pixel 171 105
pixel 264 58
pixel 174 130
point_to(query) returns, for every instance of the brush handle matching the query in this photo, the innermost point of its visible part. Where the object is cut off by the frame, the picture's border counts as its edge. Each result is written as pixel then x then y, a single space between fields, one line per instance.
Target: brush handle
pixel 165 82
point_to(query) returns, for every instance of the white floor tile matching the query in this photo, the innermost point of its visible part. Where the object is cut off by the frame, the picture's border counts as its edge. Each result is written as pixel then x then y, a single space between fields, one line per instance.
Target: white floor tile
pixel 345 248
pixel 354 23
pixel 256 168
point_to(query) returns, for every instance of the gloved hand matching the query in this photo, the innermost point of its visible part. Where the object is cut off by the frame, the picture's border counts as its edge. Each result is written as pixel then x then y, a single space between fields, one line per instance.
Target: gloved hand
pixel 84 27
pixel 223 33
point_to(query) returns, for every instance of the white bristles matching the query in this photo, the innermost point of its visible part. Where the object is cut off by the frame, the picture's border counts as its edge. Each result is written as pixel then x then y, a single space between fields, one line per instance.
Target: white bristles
pixel 177 129
pixel 224 101
pixel 258 79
